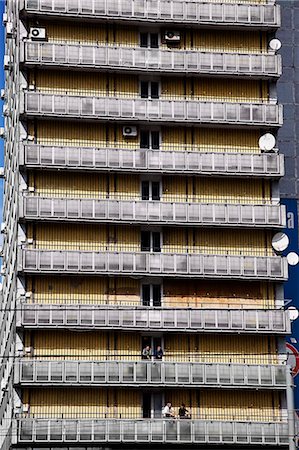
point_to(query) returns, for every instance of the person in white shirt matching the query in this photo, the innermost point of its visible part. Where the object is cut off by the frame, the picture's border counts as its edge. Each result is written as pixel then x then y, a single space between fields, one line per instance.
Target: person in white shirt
pixel 167 411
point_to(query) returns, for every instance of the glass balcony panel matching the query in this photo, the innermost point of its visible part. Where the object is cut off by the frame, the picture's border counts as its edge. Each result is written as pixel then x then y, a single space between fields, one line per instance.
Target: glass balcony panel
pixel 217 12
pixel 56 371
pixel 214 431
pixel 31 206
pixel 87 55
pixel 197 374
pixel 171 430
pixel 227 432
pixel 237 319
pixel 183 373
pixel 114 262
pixel 43 316
pixel 114 431
pixel 99 375
pixel 128 318
pixel 85 372
pixel 167 211
pixel 170 372
pixel 116 210
pixel 262 266
pixel 250 320
pixel 99 210
pixel 128 372
pixel 218 111
pixel 114 57
pixel 86 317
pixel 32 103
pixel 73 6
pixel 113 318
pixel 139 8
pixel 85 430
pixel 200 433
pixel 269 14
pixel 72 261
pixel 155 372
pixel 222 265
pixel 238 373
pixel 71 372
pixel 46 5
pixel 27 371
pixel 192 61
pixel 207 213
pixel 266 375
pixel 73 106
pixel 256 433
pixel 243 13
pixel 211 374
pixel 225 374
pixel 255 13
pixel 141 372
pixel 244 63
pixel 263 320
pixel 231 112
pixel 181 264
pixel 278 320
pixel 157 431
pixel 155 262
pixel 141 319
pixel 280 375
pixel 71 430
pixel 270 433
pixel 218 161
pixel 185 434
pixel 252 375
pixel 217 61
pixel 141 263
pixel 154 319
pixel 230 13
pixel 101 56
pixel 192 161
pixel 99 430
pixel 182 318
pixel 233 212
pixel 210 319
pixel 241 433
pixel 26 430
pixel 45 206
pixel 59 208
pixel 231 62
pixel 196 319
pixel 154 211
pixel 42 371
pixel 113 372
pixel 168 60
pixel 28 317
pixel 206 62
pixel 220 212
pixel 168 319
pixel 257 114
pixel 56 432
pixel 233 163
pixel 58 317
pixel 223 317
pixel 129 432
pixel 181 212
pixel 41 430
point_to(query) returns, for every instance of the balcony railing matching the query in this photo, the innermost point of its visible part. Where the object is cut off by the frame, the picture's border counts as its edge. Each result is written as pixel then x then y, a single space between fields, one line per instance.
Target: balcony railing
pixel 152 264
pixel 198 432
pixel 146 211
pixel 132 109
pixel 91 316
pixel 145 373
pixel 182 11
pixel 190 160
pixel 148 59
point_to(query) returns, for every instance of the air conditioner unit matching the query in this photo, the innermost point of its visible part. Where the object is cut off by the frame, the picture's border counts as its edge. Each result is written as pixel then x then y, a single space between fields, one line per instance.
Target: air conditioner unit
pixel 3 227
pixel 5 110
pixel 30 138
pixel 9 29
pixel 3 94
pixel 1 172
pixel 25 408
pixel 28 350
pixel 31 87
pixel 3 270
pixel 37 34
pixel 2 132
pixel 3 385
pixel 172 36
pixel 4 18
pixel 130 131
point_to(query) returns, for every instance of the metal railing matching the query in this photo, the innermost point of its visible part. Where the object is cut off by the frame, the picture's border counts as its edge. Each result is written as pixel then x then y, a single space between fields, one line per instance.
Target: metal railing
pixel 146 263
pixel 131 109
pixel 146 211
pixel 174 11
pixel 47 315
pixel 189 160
pixel 151 430
pixel 144 373
pixel 148 59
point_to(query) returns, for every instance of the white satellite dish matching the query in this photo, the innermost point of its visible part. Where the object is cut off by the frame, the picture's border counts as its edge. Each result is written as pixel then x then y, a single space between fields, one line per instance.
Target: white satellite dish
pixel 275 44
pixel 293 313
pixel 293 259
pixel 280 242
pixel 267 142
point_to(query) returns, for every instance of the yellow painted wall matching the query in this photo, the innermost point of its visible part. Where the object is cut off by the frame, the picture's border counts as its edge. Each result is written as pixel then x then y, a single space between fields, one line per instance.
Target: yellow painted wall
pixel 105 346
pixel 174 189
pixel 127 86
pixel 81 290
pixel 124 238
pixel 126 291
pixel 81 403
pixel 230 294
pixel 191 39
pixel 224 349
pixel 175 138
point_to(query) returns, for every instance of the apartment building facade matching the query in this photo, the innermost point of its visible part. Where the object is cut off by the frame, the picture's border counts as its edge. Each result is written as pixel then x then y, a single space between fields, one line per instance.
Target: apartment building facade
pixel 140 206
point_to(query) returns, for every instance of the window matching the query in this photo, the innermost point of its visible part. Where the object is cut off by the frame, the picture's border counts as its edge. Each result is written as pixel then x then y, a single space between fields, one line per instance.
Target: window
pixel 149 40
pixel 150 241
pixel 150 190
pixel 149 89
pixel 151 294
pixel 150 139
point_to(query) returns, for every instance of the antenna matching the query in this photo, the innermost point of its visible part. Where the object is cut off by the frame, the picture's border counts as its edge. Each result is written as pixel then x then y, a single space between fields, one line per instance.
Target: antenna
pixel 293 259
pixel 267 142
pixel 280 242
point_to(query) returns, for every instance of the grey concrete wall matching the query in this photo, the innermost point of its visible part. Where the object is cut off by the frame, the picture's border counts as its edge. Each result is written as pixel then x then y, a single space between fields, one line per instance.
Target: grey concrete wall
pixel 288 95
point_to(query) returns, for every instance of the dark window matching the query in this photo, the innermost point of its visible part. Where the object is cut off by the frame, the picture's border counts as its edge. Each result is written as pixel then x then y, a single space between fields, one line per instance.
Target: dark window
pixel 143 39
pixel 154 40
pixel 157 295
pixel 147 405
pixel 155 135
pixel 154 89
pixel 145 241
pixel 155 190
pixel 156 242
pixel 146 295
pixel 145 190
pixel 144 89
pixel 144 139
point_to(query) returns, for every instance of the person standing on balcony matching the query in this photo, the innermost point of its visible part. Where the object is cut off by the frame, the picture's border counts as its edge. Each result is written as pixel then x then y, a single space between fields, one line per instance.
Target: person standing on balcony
pixel 147 353
pixel 159 353
pixel 167 411
pixel 183 412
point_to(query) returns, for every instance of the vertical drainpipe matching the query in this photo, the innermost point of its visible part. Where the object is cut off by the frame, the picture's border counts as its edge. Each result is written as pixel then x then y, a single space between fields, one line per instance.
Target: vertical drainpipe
pixel 291 409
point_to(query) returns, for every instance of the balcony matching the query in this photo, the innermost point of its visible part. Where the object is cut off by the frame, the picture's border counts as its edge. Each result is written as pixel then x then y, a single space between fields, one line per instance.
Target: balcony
pixel 153 212
pixel 156 111
pixel 132 318
pixel 190 160
pixel 147 373
pixel 153 264
pixel 199 432
pixel 175 12
pixel 147 60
